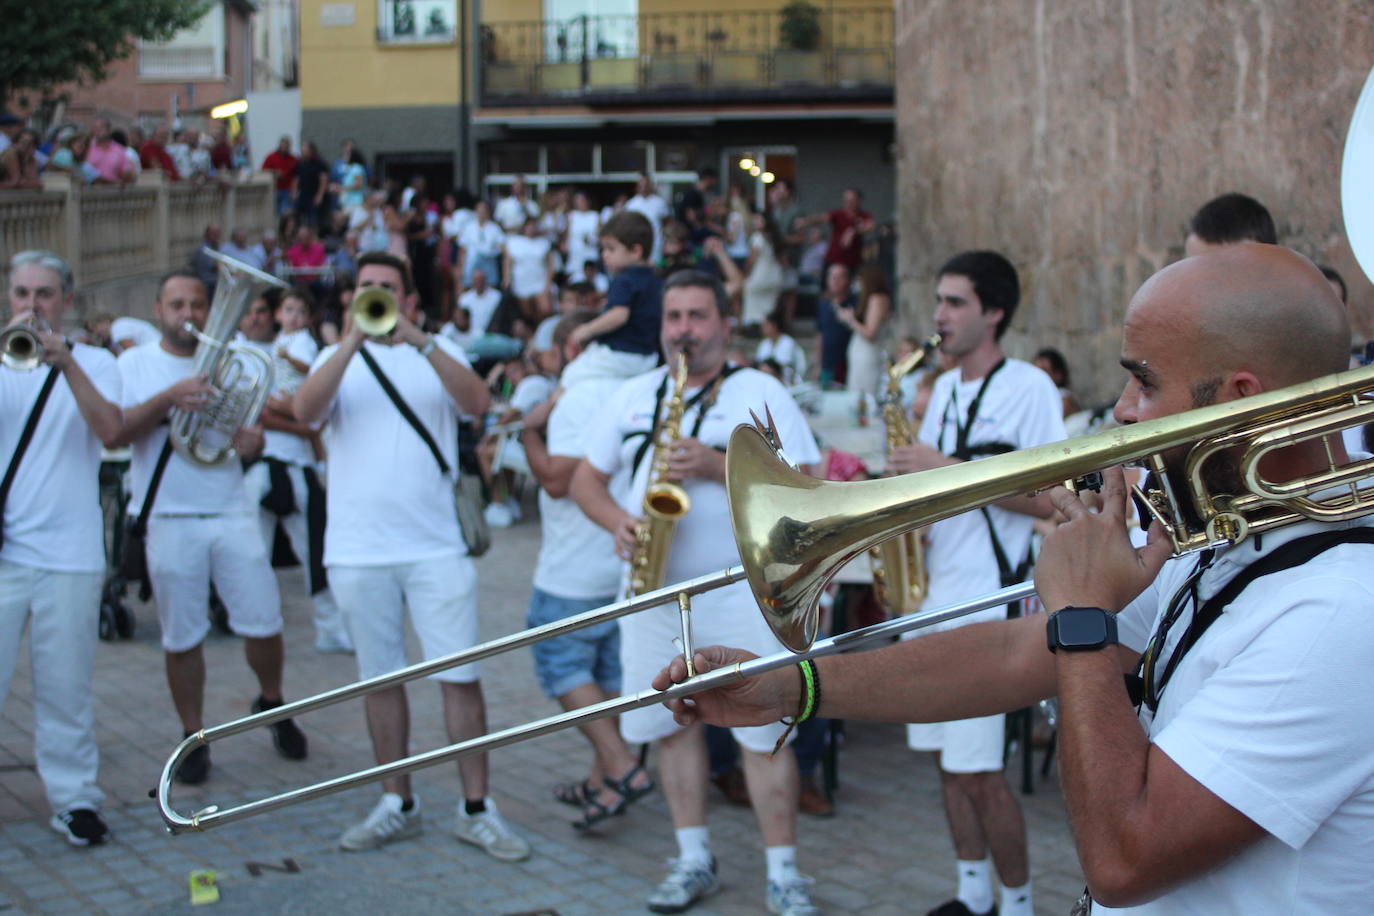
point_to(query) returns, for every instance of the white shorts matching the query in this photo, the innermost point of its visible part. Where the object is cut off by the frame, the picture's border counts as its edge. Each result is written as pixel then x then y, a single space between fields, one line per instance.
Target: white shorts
pixel 512 456
pixel 965 745
pixel 186 553
pixel 441 595
pixel 600 361
pixel 725 617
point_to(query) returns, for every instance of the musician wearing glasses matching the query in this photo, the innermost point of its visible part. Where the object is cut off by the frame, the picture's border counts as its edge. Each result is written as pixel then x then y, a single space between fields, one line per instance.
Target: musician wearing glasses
pixel 200 524
pixel 1231 771
pixel 985 405
pixel 52 548
pixel 393 541
pixel 717 397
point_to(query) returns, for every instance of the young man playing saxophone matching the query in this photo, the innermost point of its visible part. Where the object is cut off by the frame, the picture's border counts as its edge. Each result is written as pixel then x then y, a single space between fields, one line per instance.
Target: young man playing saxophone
pixel 717 398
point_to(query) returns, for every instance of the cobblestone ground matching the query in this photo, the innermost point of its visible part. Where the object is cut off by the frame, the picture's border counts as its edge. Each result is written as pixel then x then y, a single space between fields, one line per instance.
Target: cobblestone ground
pixel 886 853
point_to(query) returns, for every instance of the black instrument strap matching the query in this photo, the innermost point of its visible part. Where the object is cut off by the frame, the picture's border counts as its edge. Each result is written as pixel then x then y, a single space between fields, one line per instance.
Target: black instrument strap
pixel 404 408
pixel 141 525
pixel 1285 556
pixel 711 389
pixel 962 430
pixel 25 436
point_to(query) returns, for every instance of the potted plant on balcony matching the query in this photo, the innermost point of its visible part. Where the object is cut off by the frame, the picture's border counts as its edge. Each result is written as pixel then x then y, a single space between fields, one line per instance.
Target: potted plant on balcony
pixel 798 59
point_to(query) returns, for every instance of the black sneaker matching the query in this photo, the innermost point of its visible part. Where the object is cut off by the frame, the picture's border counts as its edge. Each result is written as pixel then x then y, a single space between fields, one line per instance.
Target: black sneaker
pixel 957 907
pixel 81 827
pixel 195 768
pixel 286 736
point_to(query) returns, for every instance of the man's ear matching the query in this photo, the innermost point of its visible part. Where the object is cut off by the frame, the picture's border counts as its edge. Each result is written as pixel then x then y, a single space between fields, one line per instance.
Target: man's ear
pixel 412 301
pixel 1245 383
pixel 993 317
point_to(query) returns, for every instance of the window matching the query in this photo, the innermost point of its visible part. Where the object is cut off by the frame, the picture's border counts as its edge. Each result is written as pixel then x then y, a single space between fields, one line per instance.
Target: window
pixel 417 20
pixel 513 158
pixel 624 157
pixel 570 158
pixel 194 53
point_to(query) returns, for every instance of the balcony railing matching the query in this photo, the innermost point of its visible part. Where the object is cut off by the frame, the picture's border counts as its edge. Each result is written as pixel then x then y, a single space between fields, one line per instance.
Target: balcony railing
pixel 714 56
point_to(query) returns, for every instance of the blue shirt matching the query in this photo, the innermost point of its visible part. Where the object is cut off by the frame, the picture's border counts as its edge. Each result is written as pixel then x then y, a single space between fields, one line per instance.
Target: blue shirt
pixel 834 334
pixel 640 290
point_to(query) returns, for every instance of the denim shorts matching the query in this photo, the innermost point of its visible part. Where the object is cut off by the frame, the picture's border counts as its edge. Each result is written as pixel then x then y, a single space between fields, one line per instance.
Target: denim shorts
pixel 576 658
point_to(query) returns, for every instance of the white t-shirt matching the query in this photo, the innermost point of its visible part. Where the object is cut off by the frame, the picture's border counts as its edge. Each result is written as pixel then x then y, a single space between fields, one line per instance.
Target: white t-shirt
pixel 278 444
pixel 187 488
pixel 702 541
pixel 655 209
pixel 583 244
pixel 1020 408
pixel 481 306
pixel 576 556
pixel 1273 711
pixel 482 239
pixel 788 355
pixel 461 338
pixel 511 213
pixel 52 516
pixel 135 329
pixel 456 222
pixel 388 501
pixel 532 391
pixel 529 264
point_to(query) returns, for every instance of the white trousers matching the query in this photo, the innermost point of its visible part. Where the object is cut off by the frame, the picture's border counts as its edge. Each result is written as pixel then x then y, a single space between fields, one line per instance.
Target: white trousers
pixel 64 608
pixel 329 622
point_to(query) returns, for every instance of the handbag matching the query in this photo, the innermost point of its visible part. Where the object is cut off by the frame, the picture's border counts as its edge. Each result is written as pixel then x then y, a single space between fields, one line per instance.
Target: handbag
pixel 467 488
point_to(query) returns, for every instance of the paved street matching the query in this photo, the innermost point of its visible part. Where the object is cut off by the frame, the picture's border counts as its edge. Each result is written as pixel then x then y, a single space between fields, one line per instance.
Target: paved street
pixel 886 853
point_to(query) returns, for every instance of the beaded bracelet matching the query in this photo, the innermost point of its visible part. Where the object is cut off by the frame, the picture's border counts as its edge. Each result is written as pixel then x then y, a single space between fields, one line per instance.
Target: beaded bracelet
pixel 810 701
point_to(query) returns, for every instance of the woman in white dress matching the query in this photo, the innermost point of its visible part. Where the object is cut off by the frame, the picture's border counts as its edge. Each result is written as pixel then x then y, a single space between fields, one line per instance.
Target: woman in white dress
pixel 529 271
pixel 870 321
pixel 582 240
pixel 764 271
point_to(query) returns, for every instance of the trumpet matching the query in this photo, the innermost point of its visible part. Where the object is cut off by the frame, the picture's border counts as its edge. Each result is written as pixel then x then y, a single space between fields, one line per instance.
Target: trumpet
pixel 375 311
pixel 796 532
pixel 21 348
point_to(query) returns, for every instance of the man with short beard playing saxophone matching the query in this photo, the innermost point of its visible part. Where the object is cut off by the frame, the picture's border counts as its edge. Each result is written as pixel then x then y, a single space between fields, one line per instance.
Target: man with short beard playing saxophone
pixel 717 397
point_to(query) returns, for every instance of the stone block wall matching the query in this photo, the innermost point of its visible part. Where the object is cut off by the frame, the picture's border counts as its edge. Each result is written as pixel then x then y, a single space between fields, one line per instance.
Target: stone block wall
pixel 1078 137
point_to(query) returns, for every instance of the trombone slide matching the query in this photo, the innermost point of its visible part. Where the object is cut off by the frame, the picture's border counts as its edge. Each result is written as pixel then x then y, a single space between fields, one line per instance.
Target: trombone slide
pixel 213 817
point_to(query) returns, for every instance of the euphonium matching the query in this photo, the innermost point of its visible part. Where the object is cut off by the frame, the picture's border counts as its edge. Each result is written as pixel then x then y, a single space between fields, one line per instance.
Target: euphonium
pixel 664 501
pixel 899 564
pixel 240 374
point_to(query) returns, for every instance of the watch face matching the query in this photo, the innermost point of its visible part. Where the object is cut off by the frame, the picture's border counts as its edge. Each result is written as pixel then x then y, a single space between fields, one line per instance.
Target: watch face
pixel 1082 627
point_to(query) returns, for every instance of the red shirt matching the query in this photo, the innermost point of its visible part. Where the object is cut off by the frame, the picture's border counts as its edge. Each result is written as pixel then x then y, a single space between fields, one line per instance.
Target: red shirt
pixel 153 156
pixel 846 241
pixel 221 155
pixel 299 257
pixel 284 164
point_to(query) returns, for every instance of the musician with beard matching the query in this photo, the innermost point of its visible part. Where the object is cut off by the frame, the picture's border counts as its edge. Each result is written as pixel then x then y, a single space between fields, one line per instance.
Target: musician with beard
pixel 718 397
pixel 200 527
pixel 1232 770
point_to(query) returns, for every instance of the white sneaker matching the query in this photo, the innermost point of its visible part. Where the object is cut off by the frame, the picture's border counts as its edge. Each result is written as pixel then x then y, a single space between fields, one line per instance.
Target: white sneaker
pixel 687 882
pixel 490 831
pixel 333 642
pixel 498 515
pixel 386 824
pixel 513 505
pixel 791 897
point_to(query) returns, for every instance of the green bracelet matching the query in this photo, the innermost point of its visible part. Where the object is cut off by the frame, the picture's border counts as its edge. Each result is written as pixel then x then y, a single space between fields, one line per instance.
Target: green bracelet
pixel 810 701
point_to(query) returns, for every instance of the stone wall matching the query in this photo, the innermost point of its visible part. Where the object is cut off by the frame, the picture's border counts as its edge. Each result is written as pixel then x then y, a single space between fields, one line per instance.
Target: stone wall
pixel 1078 136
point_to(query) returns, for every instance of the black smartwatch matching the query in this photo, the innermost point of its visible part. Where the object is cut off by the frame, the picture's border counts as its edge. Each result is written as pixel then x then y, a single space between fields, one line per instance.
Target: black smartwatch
pixel 1080 629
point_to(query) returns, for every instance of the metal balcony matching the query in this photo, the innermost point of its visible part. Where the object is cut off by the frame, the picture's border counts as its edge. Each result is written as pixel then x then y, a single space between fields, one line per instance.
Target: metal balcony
pixel 684 58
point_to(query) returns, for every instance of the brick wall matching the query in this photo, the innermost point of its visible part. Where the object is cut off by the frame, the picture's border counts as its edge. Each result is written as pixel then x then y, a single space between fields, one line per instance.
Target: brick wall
pixel 1078 136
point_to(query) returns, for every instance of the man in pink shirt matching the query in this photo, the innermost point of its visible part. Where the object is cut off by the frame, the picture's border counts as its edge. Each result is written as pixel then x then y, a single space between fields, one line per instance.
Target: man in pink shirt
pixel 108 157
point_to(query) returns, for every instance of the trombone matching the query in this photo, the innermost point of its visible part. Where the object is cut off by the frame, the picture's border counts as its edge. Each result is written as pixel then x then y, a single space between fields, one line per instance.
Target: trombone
pixel 796 532
pixel 375 311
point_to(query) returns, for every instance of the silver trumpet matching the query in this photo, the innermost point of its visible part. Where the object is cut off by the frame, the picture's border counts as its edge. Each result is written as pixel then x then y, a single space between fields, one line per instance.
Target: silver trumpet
pixel 240 374
pixel 21 348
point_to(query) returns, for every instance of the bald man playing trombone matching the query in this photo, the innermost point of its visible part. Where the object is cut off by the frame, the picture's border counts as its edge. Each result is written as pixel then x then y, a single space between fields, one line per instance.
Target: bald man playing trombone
pixel 1238 775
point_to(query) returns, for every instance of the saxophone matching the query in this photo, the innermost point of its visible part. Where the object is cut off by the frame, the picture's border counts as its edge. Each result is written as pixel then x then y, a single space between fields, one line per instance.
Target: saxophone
pixel 899 564
pixel 664 501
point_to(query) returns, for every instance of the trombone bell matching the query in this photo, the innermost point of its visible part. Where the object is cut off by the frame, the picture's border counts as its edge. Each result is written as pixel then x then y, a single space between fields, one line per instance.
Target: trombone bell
pixel 375 311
